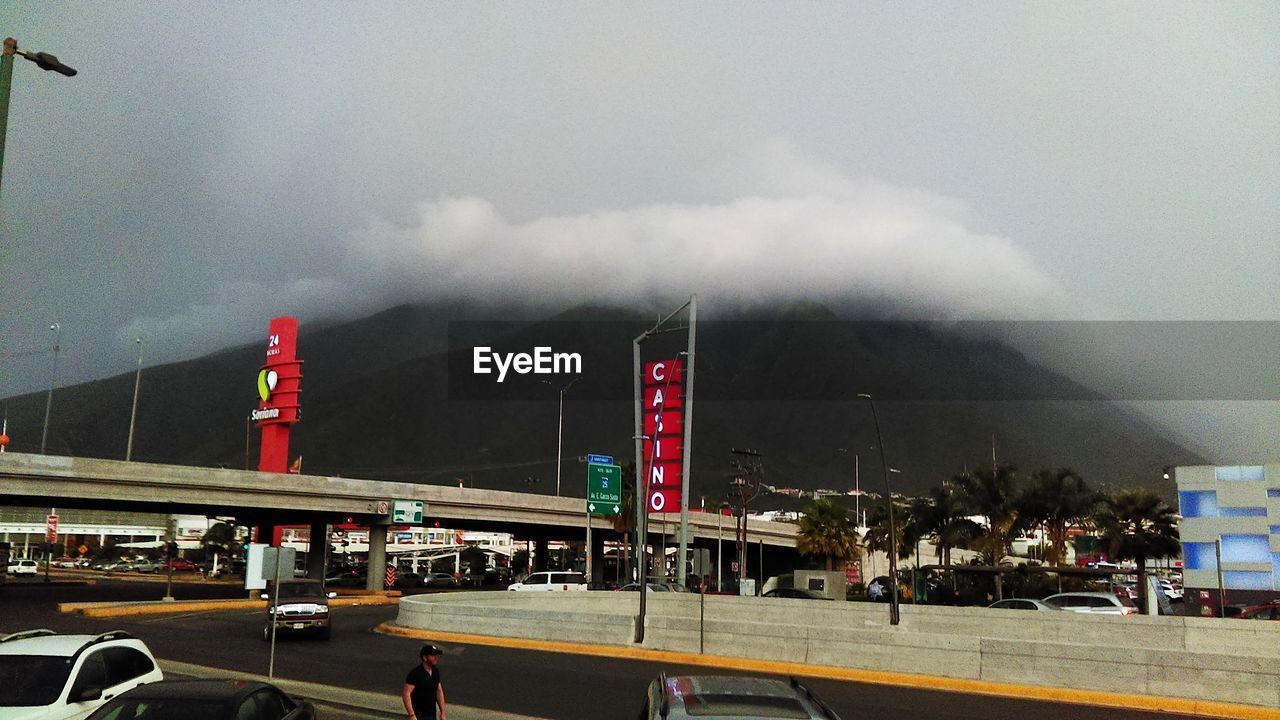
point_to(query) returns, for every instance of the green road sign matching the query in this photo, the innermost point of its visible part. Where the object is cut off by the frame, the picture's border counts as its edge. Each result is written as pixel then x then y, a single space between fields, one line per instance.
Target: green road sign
pixel 406 512
pixel 604 489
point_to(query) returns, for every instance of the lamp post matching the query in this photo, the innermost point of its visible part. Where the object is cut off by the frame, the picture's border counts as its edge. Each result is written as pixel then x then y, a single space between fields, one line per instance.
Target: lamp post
pixel 53 378
pixel 44 60
pixel 133 413
pixel 893 540
pixel 560 438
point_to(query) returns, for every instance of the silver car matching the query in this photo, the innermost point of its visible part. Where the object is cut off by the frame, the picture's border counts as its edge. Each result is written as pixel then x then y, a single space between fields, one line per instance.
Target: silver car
pixel 1024 604
pixel 722 696
pixel 1096 603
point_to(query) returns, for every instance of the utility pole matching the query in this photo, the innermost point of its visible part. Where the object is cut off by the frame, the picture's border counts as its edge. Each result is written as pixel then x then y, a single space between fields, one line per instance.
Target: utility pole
pixel 133 414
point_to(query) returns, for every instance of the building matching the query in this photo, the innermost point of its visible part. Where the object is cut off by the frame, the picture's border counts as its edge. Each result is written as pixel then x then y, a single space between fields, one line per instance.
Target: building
pixel 1233 513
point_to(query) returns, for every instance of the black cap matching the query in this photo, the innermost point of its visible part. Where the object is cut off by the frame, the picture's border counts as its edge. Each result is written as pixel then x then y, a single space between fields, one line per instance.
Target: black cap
pixel 430 649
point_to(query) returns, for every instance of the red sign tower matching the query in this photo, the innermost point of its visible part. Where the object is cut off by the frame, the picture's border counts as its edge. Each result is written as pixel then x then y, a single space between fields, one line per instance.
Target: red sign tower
pixel 663 414
pixel 279 384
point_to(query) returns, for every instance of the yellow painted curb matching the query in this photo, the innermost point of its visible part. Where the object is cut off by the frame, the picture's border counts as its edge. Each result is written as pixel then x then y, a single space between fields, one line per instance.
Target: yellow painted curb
pixel 104 610
pixel 1097 698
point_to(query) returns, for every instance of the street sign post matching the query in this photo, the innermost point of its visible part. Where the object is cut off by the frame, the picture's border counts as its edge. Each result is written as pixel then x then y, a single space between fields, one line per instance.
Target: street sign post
pixel 599 459
pixel 604 489
pixel 51 529
pixel 407 512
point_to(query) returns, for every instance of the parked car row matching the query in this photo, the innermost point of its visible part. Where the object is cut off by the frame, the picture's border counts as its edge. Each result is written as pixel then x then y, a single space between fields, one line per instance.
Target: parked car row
pixel 112 676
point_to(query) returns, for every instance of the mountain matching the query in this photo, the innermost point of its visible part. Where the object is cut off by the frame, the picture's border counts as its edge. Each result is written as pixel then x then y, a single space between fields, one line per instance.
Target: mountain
pixel 393 396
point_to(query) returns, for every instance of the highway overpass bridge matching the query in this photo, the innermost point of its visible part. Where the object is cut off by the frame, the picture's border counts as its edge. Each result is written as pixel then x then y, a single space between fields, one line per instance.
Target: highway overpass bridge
pixel 272 499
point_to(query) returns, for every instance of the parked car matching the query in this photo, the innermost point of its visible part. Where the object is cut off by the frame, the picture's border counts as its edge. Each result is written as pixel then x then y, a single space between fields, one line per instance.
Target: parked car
pixel 1024 604
pixel 348 577
pixel 409 580
pixel 655 586
pixel 303 607
pixel 551 581
pixel 794 592
pixel 24 567
pixel 1096 603
pixel 179 565
pixel 736 696
pixel 47 676
pixel 64 562
pixel 439 579
pixel 1265 611
pixel 206 700
pixel 145 566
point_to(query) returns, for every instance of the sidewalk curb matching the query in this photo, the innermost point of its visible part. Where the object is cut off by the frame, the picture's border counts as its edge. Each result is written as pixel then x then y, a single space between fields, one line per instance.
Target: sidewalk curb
pixel 1095 698
pixel 159 607
pixel 387 704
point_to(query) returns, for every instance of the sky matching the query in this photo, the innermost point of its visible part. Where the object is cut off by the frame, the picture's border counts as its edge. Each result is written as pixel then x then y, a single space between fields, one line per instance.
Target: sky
pixel 212 166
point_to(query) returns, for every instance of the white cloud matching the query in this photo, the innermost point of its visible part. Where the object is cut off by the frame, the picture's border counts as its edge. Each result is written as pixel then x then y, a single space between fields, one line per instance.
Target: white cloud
pixel 800 229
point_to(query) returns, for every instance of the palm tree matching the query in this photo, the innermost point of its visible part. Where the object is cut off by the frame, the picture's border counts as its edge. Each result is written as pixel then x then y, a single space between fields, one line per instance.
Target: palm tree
pixel 625 521
pixel 877 537
pixel 1138 525
pixel 825 530
pixel 992 493
pixel 220 537
pixel 944 519
pixel 1059 499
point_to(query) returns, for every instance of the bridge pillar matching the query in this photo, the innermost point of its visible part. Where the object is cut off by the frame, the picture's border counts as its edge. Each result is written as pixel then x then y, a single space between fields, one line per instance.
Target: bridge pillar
pixel 377 557
pixel 318 551
pixel 597 557
pixel 541 553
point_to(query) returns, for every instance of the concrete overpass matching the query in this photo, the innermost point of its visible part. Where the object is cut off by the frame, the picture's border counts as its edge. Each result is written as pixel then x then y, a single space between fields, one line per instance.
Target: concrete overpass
pixel 269 499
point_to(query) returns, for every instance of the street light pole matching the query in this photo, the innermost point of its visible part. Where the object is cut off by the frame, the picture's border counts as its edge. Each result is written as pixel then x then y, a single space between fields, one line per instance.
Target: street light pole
pixel 53 378
pixel 560 440
pixel 133 413
pixel 893 541
pixel 44 60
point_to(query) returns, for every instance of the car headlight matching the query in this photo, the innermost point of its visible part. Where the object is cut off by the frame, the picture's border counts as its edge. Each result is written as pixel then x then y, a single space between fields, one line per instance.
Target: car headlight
pixel 271 610
pixel 322 608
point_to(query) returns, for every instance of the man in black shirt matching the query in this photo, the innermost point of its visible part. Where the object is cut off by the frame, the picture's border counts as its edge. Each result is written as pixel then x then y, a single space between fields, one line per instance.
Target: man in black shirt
pixel 422 688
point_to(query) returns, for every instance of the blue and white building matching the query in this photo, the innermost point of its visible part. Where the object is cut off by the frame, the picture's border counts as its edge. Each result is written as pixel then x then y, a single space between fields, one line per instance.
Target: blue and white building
pixel 1232 512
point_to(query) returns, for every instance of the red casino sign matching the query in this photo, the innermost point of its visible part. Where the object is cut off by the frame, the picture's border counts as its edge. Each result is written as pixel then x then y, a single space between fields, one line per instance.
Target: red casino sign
pixel 663 422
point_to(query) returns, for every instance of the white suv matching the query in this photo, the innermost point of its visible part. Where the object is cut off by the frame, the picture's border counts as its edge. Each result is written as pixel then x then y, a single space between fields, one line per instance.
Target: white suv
pixel 551 581
pixel 24 567
pixel 47 676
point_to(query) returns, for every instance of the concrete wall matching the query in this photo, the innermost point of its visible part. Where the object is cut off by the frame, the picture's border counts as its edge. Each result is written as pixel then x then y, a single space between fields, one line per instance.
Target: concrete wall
pixel 1200 658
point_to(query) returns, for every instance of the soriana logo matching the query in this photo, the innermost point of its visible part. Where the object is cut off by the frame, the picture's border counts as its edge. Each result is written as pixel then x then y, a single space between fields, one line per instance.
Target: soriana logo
pixel 663 415
pixel 280 378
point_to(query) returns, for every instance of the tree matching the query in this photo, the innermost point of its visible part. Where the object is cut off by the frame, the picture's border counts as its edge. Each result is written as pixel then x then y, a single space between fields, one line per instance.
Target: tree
pixel 944 519
pixel 825 529
pixel 1138 525
pixel 877 537
pixel 219 538
pixel 1058 499
pixel 992 493
pixel 625 521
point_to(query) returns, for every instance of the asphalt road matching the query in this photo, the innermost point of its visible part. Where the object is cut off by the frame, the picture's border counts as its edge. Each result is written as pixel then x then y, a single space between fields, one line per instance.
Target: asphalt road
pixel 537 684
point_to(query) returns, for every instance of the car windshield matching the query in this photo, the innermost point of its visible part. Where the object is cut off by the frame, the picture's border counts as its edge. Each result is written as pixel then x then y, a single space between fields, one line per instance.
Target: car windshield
pixel 301 590
pixel 163 709
pixel 32 680
pixel 744 706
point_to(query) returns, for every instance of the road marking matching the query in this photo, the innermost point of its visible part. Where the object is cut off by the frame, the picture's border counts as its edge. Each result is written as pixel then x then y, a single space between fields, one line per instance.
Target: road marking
pixel 1149 703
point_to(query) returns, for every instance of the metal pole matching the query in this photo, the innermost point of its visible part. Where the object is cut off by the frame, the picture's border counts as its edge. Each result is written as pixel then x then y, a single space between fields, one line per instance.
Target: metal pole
pixel 893 540
pixel 53 378
pixel 48 548
pixel 719 553
pixel 560 447
pixel 688 440
pixel 1222 593
pixel 641 482
pixel 6 83
pixel 133 414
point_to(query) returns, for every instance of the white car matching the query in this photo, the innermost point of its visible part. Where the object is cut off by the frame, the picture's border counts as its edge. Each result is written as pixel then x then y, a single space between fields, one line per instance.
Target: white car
pixel 551 581
pixel 47 676
pixel 24 567
pixel 1093 603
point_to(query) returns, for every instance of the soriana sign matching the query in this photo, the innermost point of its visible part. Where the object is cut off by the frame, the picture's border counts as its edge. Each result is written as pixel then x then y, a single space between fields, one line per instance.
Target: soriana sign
pixel 279 384
pixel 663 415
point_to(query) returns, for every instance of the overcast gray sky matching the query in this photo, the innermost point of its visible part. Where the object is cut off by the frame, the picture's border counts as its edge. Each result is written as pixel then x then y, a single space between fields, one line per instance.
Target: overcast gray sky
pixel 212 166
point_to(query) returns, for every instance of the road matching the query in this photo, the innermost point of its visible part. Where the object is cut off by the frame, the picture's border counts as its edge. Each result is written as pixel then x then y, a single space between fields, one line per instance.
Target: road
pixel 531 683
